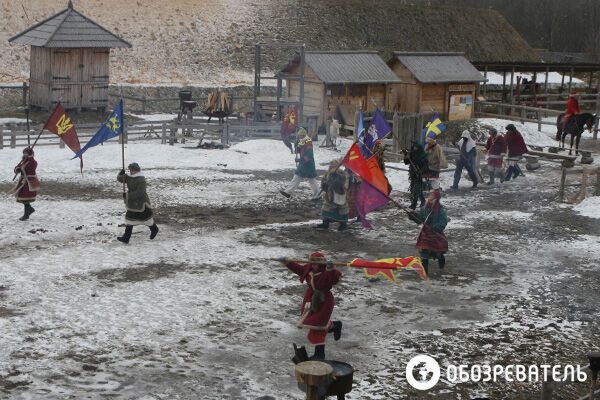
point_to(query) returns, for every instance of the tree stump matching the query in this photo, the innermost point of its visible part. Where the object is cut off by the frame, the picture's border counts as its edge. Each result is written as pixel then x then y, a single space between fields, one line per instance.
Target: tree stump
pixel 313 374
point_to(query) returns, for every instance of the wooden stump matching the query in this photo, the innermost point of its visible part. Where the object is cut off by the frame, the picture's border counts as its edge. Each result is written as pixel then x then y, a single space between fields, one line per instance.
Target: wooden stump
pixel 313 374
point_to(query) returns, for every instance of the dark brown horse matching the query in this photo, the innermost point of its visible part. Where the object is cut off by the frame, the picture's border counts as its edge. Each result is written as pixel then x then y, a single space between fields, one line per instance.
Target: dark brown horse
pixel 575 127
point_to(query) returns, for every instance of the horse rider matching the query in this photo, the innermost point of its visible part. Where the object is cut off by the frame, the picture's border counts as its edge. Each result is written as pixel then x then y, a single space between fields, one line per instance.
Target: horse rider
pixel 572 109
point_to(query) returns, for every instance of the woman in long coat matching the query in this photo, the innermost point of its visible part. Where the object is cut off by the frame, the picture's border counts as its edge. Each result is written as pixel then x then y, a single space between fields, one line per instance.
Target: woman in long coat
pixel 136 202
pixel 28 184
pixel 317 304
pixel 516 147
pixel 496 148
pixel 335 201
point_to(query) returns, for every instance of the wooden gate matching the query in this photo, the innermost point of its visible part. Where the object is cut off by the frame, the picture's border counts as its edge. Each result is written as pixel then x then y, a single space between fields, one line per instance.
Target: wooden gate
pixel 406 130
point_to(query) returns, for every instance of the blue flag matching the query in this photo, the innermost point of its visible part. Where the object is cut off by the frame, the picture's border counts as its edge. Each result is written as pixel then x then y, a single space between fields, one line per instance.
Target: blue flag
pixel 378 130
pixel 433 128
pixel 366 152
pixel 113 127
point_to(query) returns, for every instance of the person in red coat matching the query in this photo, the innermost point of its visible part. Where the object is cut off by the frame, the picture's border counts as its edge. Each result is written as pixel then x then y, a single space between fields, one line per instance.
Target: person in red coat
pixel 28 184
pixel 496 148
pixel 317 305
pixel 516 148
pixel 572 109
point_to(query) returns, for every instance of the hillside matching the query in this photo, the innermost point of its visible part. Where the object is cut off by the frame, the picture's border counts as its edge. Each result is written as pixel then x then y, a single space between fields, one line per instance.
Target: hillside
pixel 211 42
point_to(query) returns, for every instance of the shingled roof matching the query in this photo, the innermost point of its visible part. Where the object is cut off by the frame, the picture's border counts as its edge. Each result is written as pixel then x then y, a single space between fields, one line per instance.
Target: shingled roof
pixel 68 29
pixel 432 67
pixel 345 67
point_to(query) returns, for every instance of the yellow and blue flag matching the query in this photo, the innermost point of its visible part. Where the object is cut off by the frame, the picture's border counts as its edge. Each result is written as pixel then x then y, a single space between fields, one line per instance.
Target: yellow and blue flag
pixel 113 127
pixel 433 129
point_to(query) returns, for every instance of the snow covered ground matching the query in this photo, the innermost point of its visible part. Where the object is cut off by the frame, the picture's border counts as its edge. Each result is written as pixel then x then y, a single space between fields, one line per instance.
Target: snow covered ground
pixel 200 312
pixel 554 78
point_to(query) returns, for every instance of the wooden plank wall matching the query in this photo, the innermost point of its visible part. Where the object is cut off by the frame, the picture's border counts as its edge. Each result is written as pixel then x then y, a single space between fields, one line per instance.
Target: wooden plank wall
pixel 434 99
pixel 39 76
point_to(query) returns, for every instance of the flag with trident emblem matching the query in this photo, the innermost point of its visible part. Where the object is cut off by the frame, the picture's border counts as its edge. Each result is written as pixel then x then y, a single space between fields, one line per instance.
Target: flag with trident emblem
pixel 113 127
pixel 60 124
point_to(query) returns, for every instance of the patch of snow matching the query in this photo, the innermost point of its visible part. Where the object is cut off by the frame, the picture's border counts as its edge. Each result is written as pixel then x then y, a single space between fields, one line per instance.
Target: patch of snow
pixel 528 130
pixel 590 207
pixel 554 78
pixel 8 121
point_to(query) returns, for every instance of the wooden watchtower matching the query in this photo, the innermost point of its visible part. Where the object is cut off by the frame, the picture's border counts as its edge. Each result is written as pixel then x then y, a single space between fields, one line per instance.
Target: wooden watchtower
pixel 69 61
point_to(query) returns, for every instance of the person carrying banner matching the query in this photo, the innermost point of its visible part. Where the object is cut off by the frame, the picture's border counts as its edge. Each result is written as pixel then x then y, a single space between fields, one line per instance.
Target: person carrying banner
pixel 516 147
pixel 318 301
pixel 416 159
pixel 334 185
pixel 432 242
pixel 137 202
pixel 306 167
pixel 28 184
pixel 496 148
pixel 466 159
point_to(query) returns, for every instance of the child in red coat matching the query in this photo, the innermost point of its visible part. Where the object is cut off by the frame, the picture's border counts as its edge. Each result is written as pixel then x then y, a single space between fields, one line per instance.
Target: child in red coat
pixel 318 302
pixel 28 185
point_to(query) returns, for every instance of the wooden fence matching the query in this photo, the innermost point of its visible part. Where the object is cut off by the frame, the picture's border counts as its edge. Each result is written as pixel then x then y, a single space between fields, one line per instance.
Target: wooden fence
pixel 165 131
pixel 24 88
pixel 515 112
pixel 585 173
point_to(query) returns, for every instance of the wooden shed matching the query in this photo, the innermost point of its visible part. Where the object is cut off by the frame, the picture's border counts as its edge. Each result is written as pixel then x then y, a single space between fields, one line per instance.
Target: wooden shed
pixel 69 61
pixel 340 79
pixel 443 83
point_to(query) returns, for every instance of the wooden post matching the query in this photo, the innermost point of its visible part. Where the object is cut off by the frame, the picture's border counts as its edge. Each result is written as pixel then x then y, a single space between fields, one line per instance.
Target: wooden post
pixel 512 81
pixel 503 87
pixel 279 89
pixel 1 138
pixel 163 139
pixel 144 104
pixel 561 192
pixel 301 99
pixel 597 109
pixel 570 79
pixel 13 137
pixel 356 119
pixel 256 79
pixel 485 73
pixel 24 94
pixel 395 134
pixel 597 187
pixel 313 374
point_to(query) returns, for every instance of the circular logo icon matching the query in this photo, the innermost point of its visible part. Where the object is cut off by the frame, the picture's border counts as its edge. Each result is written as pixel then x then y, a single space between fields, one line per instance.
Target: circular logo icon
pixel 427 373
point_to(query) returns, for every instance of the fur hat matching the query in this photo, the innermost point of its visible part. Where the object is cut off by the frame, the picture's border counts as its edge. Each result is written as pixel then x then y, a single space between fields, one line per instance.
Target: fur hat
pixel 134 166
pixel 493 131
pixel 28 151
pixel 302 132
pixel 317 257
pixel 511 127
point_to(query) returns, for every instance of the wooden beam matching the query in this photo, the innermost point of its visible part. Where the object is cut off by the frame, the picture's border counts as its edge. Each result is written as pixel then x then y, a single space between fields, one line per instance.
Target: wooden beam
pixel 570 79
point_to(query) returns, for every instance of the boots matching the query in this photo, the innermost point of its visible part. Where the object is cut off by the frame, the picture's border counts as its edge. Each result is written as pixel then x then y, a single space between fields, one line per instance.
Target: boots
pixel 491 182
pixel 426 265
pixel 343 226
pixel 324 225
pixel 509 173
pixel 319 352
pixel 441 261
pixel 153 231
pixel 127 235
pixel 27 212
pixel 337 330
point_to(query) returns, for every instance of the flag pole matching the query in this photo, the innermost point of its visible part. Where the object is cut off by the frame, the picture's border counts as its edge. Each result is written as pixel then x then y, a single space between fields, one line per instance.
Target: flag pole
pixel 122 136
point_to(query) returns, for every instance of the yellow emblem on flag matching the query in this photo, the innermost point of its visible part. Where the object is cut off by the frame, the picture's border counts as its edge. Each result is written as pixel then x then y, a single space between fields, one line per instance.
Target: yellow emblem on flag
pixel 113 124
pixel 63 125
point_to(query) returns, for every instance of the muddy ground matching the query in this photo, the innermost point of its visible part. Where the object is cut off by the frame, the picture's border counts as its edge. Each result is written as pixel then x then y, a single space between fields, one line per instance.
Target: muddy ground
pixel 518 289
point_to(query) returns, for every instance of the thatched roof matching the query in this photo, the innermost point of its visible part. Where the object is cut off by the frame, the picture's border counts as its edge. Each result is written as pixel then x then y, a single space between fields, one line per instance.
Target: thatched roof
pixel 344 67
pixel 68 29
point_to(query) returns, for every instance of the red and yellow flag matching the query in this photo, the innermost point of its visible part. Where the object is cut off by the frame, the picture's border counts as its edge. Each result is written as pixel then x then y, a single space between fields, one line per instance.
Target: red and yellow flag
pixel 60 124
pixel 367 169
pixel 387 266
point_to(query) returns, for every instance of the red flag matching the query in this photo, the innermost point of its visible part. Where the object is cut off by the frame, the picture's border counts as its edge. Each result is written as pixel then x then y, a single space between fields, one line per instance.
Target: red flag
pixel 60 124
pixel 387 266
pixel 367 169
pixel 288 126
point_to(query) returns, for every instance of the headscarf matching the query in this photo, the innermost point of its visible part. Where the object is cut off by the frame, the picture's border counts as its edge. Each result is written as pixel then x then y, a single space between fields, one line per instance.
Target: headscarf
pixel 28 151
pixel 334 164
pixel 466 135
pixel 303 138
pixel 435 204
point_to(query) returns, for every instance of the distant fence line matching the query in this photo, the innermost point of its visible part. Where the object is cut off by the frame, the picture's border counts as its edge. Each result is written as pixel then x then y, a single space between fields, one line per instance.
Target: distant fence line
pixel 168 132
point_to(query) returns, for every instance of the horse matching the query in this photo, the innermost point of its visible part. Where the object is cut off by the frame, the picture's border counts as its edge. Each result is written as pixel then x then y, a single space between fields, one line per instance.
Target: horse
pixel 575 126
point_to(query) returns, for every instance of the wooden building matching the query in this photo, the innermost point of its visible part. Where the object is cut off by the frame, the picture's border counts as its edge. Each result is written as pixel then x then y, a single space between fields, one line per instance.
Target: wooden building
pixel 339 82
pixel 69 61
pixel 443 83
